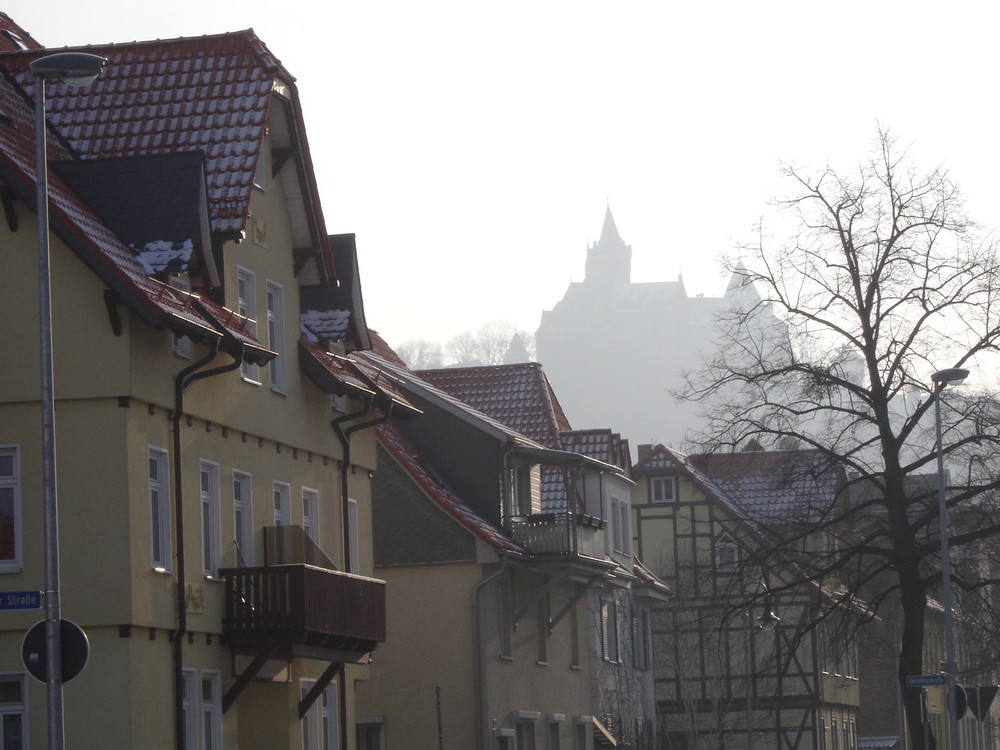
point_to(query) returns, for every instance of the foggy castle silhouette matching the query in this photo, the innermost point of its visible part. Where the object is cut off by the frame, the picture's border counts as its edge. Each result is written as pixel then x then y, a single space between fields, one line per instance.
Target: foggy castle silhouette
pixel 615 350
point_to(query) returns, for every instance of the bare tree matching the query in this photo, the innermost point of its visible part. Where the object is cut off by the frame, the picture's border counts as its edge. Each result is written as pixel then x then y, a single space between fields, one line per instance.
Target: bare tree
pixel 883 282
pixel 421 354
pixel 487 345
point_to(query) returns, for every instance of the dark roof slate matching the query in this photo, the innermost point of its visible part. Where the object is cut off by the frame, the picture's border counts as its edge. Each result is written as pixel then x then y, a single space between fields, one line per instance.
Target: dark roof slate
pixel 441 494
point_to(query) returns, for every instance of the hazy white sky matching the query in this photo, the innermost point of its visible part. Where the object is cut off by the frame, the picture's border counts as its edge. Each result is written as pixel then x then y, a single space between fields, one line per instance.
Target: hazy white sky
pixel 472 147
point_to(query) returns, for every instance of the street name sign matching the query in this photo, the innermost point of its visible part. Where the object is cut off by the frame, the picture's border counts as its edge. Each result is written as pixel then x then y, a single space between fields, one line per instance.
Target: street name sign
pixel 20 600
pixel 924 680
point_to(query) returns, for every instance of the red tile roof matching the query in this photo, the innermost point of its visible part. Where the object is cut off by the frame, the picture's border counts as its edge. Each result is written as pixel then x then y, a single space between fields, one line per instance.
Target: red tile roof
pixel 77 226
pixel 604 445
pixel 440 493
pixel 518 395
pixel 13 37
pixel 208 94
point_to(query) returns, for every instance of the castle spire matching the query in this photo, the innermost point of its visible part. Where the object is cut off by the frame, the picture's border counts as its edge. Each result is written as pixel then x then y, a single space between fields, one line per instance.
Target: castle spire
pixel 609 232
pixel 609 260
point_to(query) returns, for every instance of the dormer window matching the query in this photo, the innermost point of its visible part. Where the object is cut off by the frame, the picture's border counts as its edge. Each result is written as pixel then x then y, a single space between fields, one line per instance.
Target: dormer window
pixel 662 489
pixel 727 554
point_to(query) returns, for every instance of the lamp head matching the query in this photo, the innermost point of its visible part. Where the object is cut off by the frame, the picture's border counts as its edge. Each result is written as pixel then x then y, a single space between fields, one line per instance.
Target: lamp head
pixel 74 68
pixel 951 376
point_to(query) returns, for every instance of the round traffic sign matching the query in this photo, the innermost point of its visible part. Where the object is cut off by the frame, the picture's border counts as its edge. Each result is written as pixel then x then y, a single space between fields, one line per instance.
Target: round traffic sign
pixel 75 650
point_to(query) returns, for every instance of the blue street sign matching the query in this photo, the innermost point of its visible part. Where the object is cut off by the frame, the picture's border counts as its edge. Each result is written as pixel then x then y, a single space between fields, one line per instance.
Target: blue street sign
pixel 924 680
pixel 20 600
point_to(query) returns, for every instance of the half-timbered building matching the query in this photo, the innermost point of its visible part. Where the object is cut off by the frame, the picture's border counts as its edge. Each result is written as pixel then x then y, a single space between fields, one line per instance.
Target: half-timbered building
pixel 739 662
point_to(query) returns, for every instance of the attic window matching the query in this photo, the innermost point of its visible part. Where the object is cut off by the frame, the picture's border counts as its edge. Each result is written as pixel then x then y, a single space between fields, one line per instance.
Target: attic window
pixel 727 554
pixel 662 489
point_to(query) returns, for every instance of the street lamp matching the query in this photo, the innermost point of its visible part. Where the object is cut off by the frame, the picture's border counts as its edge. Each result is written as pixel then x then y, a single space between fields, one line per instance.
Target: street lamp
pixel 942 379
pixel 76 69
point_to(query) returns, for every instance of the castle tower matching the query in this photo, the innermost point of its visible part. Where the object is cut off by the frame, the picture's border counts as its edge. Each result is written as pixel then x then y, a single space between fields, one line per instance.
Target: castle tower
pixel 609 260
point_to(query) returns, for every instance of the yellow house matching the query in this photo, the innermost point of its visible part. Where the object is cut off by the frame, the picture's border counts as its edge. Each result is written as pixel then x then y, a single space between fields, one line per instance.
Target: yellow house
pixel 214 436
pixel 516 620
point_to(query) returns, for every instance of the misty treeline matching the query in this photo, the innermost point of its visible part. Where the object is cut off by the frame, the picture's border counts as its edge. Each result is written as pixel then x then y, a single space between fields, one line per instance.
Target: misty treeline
pixel 494 343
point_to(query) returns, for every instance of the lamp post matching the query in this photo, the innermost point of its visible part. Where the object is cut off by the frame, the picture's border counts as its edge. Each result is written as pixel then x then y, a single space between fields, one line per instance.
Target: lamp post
pixel 942 379
pixel 76 69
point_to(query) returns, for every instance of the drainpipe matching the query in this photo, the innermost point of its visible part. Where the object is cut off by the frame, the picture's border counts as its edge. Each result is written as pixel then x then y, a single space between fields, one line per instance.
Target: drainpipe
pixel 344 435
pixel 185 378
pixel 480 686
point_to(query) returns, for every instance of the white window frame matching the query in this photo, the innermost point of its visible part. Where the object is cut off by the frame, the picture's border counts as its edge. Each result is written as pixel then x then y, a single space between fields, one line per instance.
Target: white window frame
pixel 210 710
pixel 12 482
pixel 17 708
pixel 161 550
pixel 727 554
pixel 321 724
pixel 624 524
pixel 310 513
pixel 209 517
pixel 354 537
pixel 189 706
pixel 243 518
pixel 246 305
pixel 663 489
pixel 275 304
pixel 281 493
pixel 181 345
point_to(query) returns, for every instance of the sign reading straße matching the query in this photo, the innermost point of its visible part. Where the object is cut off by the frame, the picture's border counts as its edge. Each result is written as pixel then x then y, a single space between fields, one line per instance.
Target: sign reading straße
pixel 20 600
pixel 924 680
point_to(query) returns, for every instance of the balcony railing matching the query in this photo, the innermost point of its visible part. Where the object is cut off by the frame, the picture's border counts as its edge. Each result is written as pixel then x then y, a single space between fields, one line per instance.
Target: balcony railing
pixel 559 534
pixel 287 606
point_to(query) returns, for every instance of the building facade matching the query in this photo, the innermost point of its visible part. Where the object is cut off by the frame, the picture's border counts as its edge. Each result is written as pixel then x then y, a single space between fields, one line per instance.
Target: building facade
pixel 215 532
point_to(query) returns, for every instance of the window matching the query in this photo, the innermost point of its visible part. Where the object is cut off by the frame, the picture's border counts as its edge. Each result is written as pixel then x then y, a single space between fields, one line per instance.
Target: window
pixel 727 554
pixel 580 740
pixel 662 489
pixel 370 734
pixel 276 335
pixel 310 504
pixel 201 705
pixel 609 630
pixel 520 491
pixel 641 639
pixel 243 518
pixel 282 495
pixel 13 712
pixel 320 726
pixel 189 707
pixel 181 345
pixel 246 305
pixel 209 518
pixel 211 712
pixel 525 735
pixel 354 564
pixel 555 735
pixel 620 526
pixel 160 552
pixel 10 510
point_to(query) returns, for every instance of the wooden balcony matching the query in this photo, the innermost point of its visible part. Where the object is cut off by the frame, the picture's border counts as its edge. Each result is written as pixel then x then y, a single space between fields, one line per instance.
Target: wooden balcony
pixel 559 534
pixel 304 611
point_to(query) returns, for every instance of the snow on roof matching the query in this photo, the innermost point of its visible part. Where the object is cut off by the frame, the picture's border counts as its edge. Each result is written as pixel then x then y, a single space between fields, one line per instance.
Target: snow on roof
pixel 208 94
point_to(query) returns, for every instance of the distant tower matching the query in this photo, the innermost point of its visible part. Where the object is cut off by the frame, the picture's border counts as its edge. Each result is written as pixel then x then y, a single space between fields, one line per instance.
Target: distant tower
pixel 609 260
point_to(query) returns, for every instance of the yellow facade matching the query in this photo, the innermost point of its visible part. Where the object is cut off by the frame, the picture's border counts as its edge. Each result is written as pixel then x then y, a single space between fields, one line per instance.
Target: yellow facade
pixel 115 397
